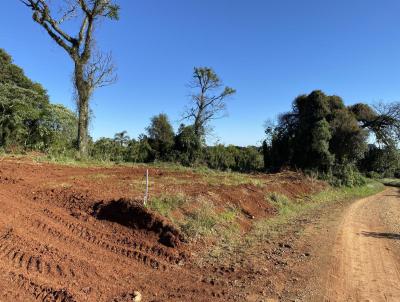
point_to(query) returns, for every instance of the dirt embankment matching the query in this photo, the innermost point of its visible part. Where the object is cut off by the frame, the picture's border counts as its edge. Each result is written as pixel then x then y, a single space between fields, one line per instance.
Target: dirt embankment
pixel 74 234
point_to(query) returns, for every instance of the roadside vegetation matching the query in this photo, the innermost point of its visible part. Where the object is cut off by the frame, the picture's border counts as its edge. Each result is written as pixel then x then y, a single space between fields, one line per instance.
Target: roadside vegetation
pixel 197 218
pixel 393 182
pixel 289 210
pixel 202 220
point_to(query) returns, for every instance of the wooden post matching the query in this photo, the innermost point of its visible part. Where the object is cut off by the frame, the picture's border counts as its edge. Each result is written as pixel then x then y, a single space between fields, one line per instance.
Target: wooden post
pixel 146 195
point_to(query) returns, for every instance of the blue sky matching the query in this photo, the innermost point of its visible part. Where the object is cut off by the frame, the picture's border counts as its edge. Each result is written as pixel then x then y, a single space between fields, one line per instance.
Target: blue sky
pixel 270 51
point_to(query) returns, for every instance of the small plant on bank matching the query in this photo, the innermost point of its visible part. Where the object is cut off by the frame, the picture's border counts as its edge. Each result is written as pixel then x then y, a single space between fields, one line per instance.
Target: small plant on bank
pixel 165 204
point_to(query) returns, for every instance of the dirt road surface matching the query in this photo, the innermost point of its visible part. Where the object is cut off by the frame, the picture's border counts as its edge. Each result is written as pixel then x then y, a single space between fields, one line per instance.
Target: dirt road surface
pixel 365 258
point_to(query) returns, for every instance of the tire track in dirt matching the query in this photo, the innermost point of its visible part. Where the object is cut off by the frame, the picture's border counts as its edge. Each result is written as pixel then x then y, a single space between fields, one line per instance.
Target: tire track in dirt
pixel 136 251
pixel 71 231
pixel 56 253
pixel 14 252
pixel 365 261
pixel 41 292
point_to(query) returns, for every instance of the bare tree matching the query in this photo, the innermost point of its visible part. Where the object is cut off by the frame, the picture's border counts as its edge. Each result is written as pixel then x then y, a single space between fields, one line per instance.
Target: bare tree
pixel 386 125
pixel 209 102
pixel 383 120
pixel 91 69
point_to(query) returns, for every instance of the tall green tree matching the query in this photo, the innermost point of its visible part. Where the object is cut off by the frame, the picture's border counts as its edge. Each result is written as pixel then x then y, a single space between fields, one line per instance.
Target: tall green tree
pixel 188 145
pixel 318 133
pixel 58 130
pixel 91 69
pixel 161 136
pixel 27 119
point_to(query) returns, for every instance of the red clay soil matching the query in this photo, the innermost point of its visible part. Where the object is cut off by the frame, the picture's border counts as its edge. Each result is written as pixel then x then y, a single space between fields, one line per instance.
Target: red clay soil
pixel 74 234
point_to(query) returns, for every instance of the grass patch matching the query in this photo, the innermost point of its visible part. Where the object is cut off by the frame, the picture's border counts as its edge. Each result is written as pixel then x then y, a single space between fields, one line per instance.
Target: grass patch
pixel 166 204
pixel 205 221
pixel 393 182
pixel 99 176
pixel 231 179
pixel 289 210
pixel 215 177
pixel 197 218
pixel 212 177
pixel 284 206
pixel 201 222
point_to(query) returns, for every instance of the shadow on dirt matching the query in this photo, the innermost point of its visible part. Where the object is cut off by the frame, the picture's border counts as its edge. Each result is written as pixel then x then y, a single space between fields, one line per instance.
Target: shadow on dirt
pixel 381 235
pixel 133 215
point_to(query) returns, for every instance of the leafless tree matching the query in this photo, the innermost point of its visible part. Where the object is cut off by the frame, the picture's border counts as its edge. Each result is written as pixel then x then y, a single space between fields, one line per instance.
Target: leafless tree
pixel 91 69
pixel 387 123
pixel 383 120
pixel 209 100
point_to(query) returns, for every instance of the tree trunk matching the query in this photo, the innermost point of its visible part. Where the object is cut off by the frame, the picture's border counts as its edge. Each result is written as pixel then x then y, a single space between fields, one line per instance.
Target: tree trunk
pixel 83 125
pixel 198 126
pixel 83 91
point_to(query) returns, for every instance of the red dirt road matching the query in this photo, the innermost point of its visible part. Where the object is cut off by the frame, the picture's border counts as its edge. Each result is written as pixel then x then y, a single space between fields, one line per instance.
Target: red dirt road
pixel 365 259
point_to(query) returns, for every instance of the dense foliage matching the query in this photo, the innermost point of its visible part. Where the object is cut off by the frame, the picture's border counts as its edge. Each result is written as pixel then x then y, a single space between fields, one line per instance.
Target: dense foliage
pixel 320 134
pixel 27 119
pixel 162 144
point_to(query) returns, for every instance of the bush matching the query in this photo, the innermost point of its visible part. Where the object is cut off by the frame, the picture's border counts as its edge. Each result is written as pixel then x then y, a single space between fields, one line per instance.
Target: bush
pixel 373 175
pixel 220 157
pixel 187 146
pixel 344 175
pixel 165 204
pixel 232 158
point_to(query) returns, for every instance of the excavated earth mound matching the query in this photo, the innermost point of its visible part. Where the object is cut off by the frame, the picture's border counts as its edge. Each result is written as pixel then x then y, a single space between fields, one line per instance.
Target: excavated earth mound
pixel 133 215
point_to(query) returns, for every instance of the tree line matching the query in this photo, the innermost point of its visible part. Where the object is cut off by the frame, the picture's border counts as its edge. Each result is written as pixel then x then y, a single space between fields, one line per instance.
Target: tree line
pixel 319 135
pixel 187 146
pixel 30 122
pixel 161 144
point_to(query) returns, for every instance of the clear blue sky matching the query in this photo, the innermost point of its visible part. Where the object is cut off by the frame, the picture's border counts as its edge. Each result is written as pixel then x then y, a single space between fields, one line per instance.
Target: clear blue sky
pixel 270 51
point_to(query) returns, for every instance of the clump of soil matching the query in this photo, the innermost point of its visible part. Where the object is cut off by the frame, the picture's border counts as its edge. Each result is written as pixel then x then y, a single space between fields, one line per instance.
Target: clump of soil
pixel 133 215
pixel 128 297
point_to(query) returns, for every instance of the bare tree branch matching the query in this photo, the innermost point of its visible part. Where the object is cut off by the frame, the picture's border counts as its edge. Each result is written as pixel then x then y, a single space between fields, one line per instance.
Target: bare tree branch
pixel 209 103
pixel 100 72
pixel 68 13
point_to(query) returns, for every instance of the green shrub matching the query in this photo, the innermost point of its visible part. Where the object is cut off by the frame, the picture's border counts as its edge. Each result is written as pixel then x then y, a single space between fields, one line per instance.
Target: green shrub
pixel 345 175
pixel 284 205
pixel 373 175
pixel 200 222
pixel 206 221
pixel 233 158
pixel 165 204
